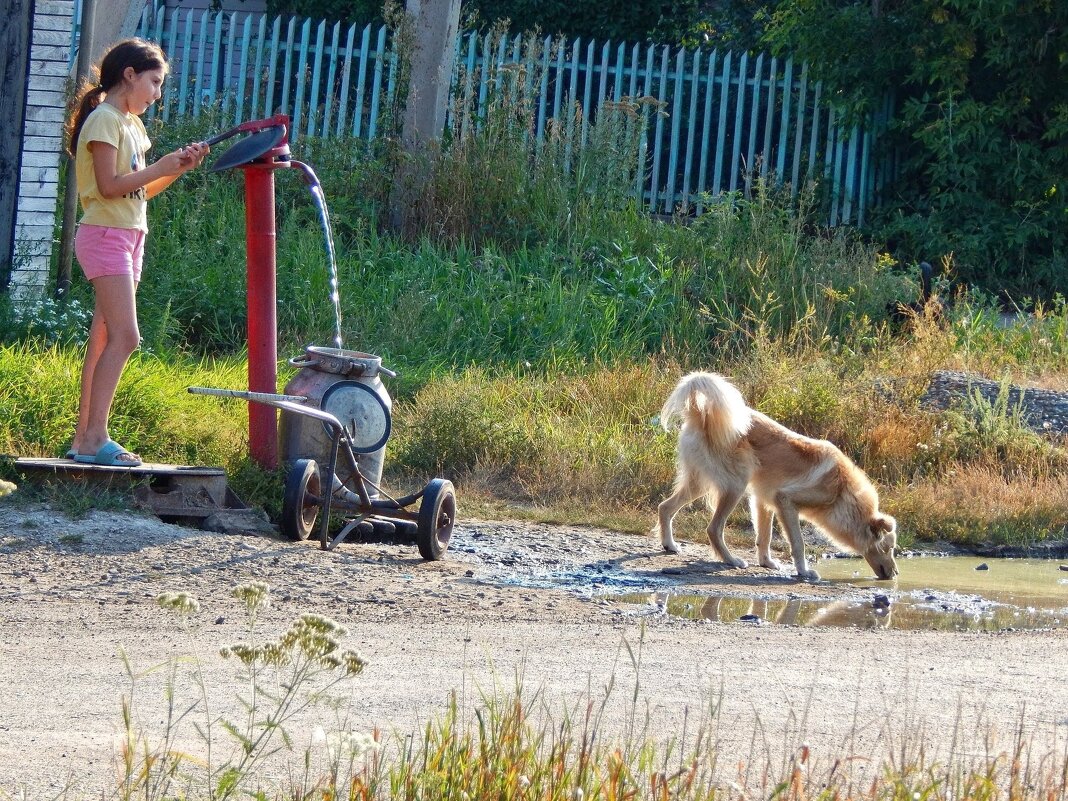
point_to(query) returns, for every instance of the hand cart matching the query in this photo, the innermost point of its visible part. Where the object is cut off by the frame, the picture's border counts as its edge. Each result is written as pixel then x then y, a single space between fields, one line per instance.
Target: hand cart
pixel 311 490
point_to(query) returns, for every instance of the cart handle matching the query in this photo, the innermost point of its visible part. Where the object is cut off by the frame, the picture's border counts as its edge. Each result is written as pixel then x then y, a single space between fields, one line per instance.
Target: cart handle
pixel 261 397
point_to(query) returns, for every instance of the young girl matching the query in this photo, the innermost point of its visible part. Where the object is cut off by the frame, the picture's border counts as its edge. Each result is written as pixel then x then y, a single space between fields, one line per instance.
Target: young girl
pixel 109 144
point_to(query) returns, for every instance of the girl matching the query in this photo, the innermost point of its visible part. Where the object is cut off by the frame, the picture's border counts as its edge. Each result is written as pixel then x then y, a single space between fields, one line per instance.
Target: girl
pixel 109 144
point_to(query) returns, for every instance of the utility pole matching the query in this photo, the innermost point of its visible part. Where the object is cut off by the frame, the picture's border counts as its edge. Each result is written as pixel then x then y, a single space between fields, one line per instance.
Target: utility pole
pixel 70 196
pixel 435 24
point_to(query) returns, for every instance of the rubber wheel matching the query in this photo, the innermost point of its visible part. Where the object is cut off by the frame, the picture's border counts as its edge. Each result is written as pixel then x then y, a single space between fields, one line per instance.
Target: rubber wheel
pixel 298 517
pixel 437 515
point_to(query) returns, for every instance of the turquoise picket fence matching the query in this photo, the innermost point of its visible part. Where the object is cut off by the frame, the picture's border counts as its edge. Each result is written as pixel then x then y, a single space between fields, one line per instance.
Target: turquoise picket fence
pixel 730 117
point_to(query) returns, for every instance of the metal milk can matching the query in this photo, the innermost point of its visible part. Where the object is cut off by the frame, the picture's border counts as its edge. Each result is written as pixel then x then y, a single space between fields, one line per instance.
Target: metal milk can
pixel 346 384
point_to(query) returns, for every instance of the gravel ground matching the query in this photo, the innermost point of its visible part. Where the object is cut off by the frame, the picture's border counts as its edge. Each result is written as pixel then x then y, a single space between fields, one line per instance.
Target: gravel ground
pixel 509 600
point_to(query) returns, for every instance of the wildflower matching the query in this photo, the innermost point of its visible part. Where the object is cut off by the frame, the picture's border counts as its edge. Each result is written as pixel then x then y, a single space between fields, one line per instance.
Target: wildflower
pixel 254 594
pixel 577 794
pixel 353 662
pixel 524 782
pixel 181 603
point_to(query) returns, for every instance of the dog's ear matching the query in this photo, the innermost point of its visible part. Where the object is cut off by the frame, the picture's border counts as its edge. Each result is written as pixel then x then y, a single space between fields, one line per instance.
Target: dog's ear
pixel 881 523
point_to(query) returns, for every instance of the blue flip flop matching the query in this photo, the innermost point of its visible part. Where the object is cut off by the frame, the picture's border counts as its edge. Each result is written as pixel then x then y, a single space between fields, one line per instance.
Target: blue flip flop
pixel 72 455
pixel 109 455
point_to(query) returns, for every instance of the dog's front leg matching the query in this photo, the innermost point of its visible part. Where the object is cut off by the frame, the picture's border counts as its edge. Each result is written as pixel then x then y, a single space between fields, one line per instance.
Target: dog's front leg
pixel 791 523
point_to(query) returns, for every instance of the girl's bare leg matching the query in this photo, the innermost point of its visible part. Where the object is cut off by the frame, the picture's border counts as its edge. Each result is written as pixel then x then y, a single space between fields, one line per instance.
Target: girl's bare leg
pixel 113 336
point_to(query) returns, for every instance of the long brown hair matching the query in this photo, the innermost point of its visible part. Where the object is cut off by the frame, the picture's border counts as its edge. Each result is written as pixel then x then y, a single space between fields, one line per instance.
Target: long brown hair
pixel 136 53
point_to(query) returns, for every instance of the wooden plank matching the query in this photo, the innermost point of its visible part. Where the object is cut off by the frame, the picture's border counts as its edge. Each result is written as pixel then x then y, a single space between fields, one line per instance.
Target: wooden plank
pixel 171 85
pixel 40 159
pixel 864 182
pixel 226 77
pixel 849 189
pixel 814 137
pixel 216 53
pixel 617 89
pixel 602 86
pixel 558 78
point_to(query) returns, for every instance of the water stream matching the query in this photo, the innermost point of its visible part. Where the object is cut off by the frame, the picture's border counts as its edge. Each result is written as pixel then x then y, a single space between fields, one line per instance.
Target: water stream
pixel 319 198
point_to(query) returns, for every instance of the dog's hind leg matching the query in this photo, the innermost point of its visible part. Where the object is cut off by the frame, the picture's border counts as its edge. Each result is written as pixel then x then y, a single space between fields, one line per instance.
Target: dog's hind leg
pixel 762 517
pixel 725 503
pixel 688 490
pixel 791 524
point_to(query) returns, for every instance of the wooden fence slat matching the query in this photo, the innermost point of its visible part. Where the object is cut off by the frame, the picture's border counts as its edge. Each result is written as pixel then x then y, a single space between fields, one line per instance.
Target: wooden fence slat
pixel 706 129
pixel 558 78
pixel 691 128
pixel 216 52
pixel 287 74
pixel 302 69
pixel 635 65
pixel 739 112
pixel 784 123
pixel 246 40
pixel 769 117
pixel 621 55
pixel 799 132
pixel 864 183
pixel 721 134
pixel 257 70
pixel 331 76
pixel 376 89
pixel 361 81
pixel 676 126
pixel 198 78
pixel 572 100
pixel 171 86
pixel 587 111
pixel 543 88
pixel 850 175
pixel 754 118
pixel 659 138
pixel 643 150
pixel 186 41
pixel 602 87
pixel 346 81
pixel 813 142
pixel 276 34
pixel 391 80
pixel 317 74
pixel 226 74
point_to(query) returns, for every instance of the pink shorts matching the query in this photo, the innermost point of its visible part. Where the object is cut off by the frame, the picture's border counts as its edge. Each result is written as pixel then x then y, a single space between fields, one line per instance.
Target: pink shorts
pixel 103 250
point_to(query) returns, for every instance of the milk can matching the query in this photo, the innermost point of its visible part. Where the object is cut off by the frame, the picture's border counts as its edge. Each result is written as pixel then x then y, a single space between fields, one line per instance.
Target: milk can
pixel 346 384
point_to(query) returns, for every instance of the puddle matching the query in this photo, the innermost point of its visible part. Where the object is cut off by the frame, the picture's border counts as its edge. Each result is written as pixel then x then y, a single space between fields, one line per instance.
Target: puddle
pixel 932 593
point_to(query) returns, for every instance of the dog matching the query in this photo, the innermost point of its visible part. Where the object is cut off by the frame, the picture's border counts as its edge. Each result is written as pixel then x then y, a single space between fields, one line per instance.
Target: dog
pixel 726 449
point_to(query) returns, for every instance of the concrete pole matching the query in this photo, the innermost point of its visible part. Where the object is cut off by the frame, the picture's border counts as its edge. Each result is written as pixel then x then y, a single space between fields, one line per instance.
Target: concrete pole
pixel 70 197
pixel 435 24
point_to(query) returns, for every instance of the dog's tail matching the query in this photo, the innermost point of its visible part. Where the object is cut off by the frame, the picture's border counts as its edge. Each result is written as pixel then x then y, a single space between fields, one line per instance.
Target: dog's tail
pixel 712 404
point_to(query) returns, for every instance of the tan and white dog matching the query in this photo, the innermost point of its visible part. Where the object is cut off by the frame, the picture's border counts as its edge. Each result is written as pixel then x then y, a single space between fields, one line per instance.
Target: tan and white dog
pixel 725 448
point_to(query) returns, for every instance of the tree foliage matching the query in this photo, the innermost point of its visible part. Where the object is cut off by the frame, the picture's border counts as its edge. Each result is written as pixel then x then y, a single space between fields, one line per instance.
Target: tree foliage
pixel 981 124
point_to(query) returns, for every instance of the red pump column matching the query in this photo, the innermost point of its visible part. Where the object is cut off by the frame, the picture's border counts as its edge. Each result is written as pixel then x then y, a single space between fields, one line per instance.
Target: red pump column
pixel 260 236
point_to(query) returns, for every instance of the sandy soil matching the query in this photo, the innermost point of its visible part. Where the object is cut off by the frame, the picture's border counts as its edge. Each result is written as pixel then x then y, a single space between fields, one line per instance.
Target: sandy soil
pixel 509 599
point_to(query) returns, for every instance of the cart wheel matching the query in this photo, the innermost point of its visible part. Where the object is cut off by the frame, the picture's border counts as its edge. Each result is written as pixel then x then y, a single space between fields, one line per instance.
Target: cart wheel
pixel 437 514
pixel 298 516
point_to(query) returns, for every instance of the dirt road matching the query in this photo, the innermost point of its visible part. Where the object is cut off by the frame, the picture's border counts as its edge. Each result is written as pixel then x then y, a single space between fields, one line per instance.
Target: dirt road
pixel 509 599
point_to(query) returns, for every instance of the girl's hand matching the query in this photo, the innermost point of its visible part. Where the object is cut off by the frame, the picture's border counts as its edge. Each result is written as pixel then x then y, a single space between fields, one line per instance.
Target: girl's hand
pixel 193 155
